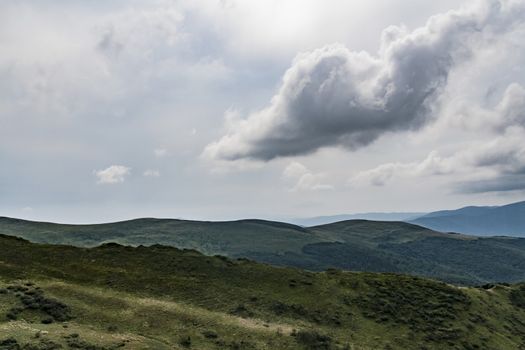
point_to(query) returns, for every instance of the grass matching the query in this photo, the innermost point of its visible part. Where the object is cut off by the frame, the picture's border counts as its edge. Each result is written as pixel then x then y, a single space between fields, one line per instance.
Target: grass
pixel 357 245
pixel 165 298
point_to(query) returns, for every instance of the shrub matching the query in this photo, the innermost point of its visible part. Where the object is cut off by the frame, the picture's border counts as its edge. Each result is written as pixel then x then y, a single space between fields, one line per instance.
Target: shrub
pixel 77 343
pixel 47 320
pixel 517 296
pixel 11 316
pixel 44 344
pixel 185 341
pixel 34 299
pixel 313 340
pixel 210 334
pixel 9 344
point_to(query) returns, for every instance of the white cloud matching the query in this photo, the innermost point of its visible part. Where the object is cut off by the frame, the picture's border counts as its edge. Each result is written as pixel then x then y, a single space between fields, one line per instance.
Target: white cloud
pixel 113 174
pixel 151 173
pixel 160 152
pixel 102 81
pixel 433 164
pixel 333 96
pixel 479 166
pixel 302 179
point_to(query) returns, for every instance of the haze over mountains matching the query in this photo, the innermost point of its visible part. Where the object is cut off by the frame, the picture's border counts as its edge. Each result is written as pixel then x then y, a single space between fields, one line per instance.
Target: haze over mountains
pixel 322 220
pixel 505 220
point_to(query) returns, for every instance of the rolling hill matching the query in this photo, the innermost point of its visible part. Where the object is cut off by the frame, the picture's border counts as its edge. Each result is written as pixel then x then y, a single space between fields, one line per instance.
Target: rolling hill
pixel 506 220
pixel 157 297
pixel 357 245
pixel 329 219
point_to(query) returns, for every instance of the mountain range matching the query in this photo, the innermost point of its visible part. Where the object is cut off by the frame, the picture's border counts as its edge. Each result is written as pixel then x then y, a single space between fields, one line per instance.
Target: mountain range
pixel 506 220
pixel 254 284
pixel 357 245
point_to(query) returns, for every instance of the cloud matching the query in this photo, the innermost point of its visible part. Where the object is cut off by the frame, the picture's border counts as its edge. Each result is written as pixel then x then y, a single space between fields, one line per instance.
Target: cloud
pixel 113 174
pixel 303 179
pixel 511 110
pixel 508 112
pixel 481 166
pixel 151 173
pixel 333 96
pixel 160 152
pixel 498 165
pixel 501 184
pixel 433 164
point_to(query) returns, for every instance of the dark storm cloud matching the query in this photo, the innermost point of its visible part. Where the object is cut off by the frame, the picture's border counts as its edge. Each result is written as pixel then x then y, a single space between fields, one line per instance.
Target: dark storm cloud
pixel 337 97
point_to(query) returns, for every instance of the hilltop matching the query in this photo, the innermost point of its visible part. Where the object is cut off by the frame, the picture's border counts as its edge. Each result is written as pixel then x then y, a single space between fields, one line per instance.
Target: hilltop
pixel 329 219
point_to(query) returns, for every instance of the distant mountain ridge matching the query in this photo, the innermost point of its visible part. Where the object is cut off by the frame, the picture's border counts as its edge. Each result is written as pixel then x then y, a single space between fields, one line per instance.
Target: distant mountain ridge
pixel 506 220
pixel 328 219
pixel 355 245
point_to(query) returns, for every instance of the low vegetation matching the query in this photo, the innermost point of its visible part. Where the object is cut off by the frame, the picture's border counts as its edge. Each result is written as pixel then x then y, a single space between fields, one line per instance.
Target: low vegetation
pixel 356 245
pixel 158 297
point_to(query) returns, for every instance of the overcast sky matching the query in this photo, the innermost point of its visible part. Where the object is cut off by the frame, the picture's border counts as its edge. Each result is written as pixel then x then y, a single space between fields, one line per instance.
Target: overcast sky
pixel 231 109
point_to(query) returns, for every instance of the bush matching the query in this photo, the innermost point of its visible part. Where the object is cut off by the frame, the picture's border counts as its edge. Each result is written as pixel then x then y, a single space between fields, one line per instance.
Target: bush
pixel 47 320
pixel 210 334
pixel 9 344
pixel 11 316
pixel 74 342
pixel 517 296
pixel 44 344
pixel 185 341
pixel 313 340
pixel 34 299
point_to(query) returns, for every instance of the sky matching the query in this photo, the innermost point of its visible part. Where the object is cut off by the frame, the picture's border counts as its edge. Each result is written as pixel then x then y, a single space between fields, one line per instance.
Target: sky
pixel 276 109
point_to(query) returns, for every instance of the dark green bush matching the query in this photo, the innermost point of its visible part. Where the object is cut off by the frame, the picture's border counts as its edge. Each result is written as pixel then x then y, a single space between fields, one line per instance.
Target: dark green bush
pixel 9 344
pixel 34 299
pixel 517 296
pixel 185 341
pixel 47 320
pixel 313 340
pixel 210 334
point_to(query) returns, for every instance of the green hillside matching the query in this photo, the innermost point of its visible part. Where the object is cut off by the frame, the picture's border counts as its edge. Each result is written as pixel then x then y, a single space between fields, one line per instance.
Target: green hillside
pixel 229 237
pixel 357 245
pixel 62 297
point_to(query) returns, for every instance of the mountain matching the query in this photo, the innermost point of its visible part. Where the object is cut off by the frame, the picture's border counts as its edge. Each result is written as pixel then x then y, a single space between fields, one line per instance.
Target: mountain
pixel 506 220
pixel 158 297
pixel 227 238
pixel 357 245
pixel 323 220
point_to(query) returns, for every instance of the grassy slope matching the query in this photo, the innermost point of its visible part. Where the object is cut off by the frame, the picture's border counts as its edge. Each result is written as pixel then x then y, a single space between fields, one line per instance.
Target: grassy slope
pixel 357 245
pixel 156 297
